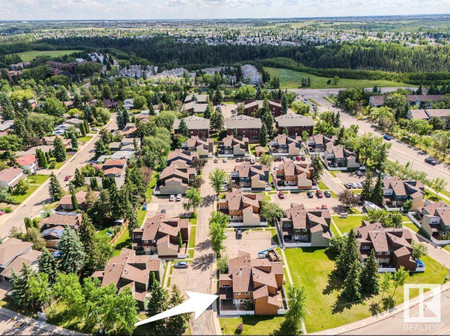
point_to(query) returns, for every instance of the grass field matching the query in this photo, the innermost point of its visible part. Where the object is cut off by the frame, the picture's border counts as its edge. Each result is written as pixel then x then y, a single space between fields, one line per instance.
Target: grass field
pixel 253 325
pixel 290 79
pixel 346 224
pixel 311 267
pixel 28 56
pixel 33 183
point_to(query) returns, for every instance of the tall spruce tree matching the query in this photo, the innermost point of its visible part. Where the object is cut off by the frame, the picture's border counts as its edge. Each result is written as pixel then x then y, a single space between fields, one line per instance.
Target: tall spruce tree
pixel 263 136
pixel 369 276
pixel 59 151
pixel 72 255
pixel 352 286
pixel 284 104
pixel 377 193
pixel 48 265
pixel 176 325
pixel 157 303
pixel 74 141
pixel 74 200
pixel 183 128
pixel 347 256
pixel 78 178
pixel 366 192
pixel 20 286
pixel 87 233
pixel 55 190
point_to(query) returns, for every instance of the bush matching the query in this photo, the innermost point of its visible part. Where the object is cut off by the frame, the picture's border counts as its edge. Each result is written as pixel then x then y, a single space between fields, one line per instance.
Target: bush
pixel 8 209
pixel 239 329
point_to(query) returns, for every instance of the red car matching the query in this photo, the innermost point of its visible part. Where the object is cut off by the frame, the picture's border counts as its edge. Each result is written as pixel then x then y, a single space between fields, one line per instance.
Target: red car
pixel 324 206
pixel 319 194
pixel 67 178
pixel 281 195
pixel 298 158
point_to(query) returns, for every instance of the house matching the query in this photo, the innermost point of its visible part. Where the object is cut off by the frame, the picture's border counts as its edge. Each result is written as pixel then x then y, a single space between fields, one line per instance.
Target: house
pixel 128 103
pixel 13 254
pixel 435 220
pixel 115 146
pixel 251 107
pixel 247 175
pixel 427 113
pixel 318 143
pixel 203 147
pixel 252 286
pixel 128 130
pixel 243 209
pixel 114 167
pixel 160 235
pixel 396 192
pixel 337 157
pixel 194 107
pixel 392 246
pixel 65 202
pixel 197 126
pixel 300 227
pixel 198 98
pixel 128 143
pixel 232 147
pixel 243 126
pixel 9 177
pixel 6 126
pixel 176 179
pixel 50 141
pixel 419 101
pixel 70 219
pixel 377 101
pixel 293 175
pixel 108 103
pixel 295 124
pixel 133 271
pixel 283 145
pixel 28 162
pixel 181 155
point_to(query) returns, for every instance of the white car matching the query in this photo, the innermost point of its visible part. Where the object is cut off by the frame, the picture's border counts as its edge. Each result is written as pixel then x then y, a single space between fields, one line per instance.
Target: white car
pixel 178 197
pixel 172 198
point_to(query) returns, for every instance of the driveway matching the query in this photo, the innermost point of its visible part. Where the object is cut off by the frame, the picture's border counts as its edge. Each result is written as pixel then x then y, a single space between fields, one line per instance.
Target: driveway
pixel 251 242
pixel 158 203
pixel 226 110
pixel 349 177
pixel 309 203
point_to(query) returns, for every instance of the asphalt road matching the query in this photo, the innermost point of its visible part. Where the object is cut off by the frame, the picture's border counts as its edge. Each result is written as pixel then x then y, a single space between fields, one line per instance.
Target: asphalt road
pixel 399 151
pixel 34 203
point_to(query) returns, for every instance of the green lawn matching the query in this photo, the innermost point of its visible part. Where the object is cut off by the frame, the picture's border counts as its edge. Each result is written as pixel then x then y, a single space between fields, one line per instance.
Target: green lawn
pixel 33 183
pixel 122 242
pixel 85 138
pixel 322 186
pixel 311 267
pixel 28 56
pixel 346 224
pixel 447 247
pixel 290 79
pixel 192 236
pixel 141 216
pixel 435 198
pixel 253 325
pixel 151 185
pixel 411 226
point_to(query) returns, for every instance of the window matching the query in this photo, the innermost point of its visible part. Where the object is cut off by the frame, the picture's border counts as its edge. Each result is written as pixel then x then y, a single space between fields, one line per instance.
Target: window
pixel 247 293
pixel 238 293
pixel 386 253
pixel 365 247
pixel 226 286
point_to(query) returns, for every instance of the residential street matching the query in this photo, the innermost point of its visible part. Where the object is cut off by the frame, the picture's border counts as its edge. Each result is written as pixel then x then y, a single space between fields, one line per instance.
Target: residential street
pixel 33 204
pixel 399 151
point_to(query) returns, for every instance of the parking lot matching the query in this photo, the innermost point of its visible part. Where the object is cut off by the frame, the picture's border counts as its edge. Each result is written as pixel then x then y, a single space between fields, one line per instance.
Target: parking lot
pixel 349 177
pixel 226 110
pixel 309 203
pixel 251 242
pixel 158 203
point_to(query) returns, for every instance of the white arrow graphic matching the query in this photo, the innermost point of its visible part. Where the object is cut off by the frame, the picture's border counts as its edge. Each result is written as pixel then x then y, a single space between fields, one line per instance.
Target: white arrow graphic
pixel 197 303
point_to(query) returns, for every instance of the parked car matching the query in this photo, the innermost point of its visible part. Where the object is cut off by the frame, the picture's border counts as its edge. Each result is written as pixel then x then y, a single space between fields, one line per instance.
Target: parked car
pixel 324 207
pixel 359 173
pixel 216 160
pixel 95 129
pixel 181 264
pixel 327 194
pixel 178 197
pixel 67 178
pixel 348 185
pixel 238 160
pixel 310 194
pixel 431 161
pixel 298 158
pixel 163 210
pixel 171 198
pixel 319 193
pixel 387 137
pixel 225 181
pixel 281 195
pixel 238 233
pixel 1 212
pixel 224 160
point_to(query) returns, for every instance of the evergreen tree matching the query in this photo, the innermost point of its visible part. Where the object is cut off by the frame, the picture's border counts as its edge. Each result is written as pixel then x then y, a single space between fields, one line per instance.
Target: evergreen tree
pixel 86 126
pixel 55 189
pixel 297 309
pixel 366 192
pixel 119 119
pixel 176 325
pixel 207 113
pixel 132 222
pixel 83 130
pixel 48 265
pixel 157 303
pixel 94 183
pixel 59 151
pixel 369 275
pixel 217 99
pixel 377 193
pixel 72 252
pixel 151 109
pixel 74 200
pixel 20 286
pixel 348 256
pixel 267 119
pixel 318 168
pixel 78 179
pixel 183 129
pixel 284 104
pixel 126 117
pixel 352 286
pixel 87 232
pixel 263 135
pixel 74 141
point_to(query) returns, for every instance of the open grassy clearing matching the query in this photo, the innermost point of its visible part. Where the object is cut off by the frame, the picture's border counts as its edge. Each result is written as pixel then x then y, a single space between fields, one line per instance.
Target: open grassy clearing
pixel 346 224
pixel 28 56
pixel 290 79
pixel 34 182
pixel 311 268
pixel 253 325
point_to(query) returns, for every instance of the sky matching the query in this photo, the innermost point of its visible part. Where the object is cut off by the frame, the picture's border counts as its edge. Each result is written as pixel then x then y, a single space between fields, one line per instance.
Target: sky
pixel 211 9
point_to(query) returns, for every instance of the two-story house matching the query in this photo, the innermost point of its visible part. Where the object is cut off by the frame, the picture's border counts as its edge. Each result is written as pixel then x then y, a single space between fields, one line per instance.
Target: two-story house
pixel 203 147
pixel 166 237
pixel 396 192
pixel 243 126
pixel 293 175
pixel 181 155
pixel 233 147
pixel 243 209
pixel 435 219
pixel 301 227
pixel 337 157
pixel 133 271
pixel 392 246
pixel 28 162
pixel 14 253
pixel 197 126
pixel 9 177
pixel 252 285
pixel 251 107
pixel 247 175
pixel 317 143
pixel 176 179
pixel 283 145
pixel 295 124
